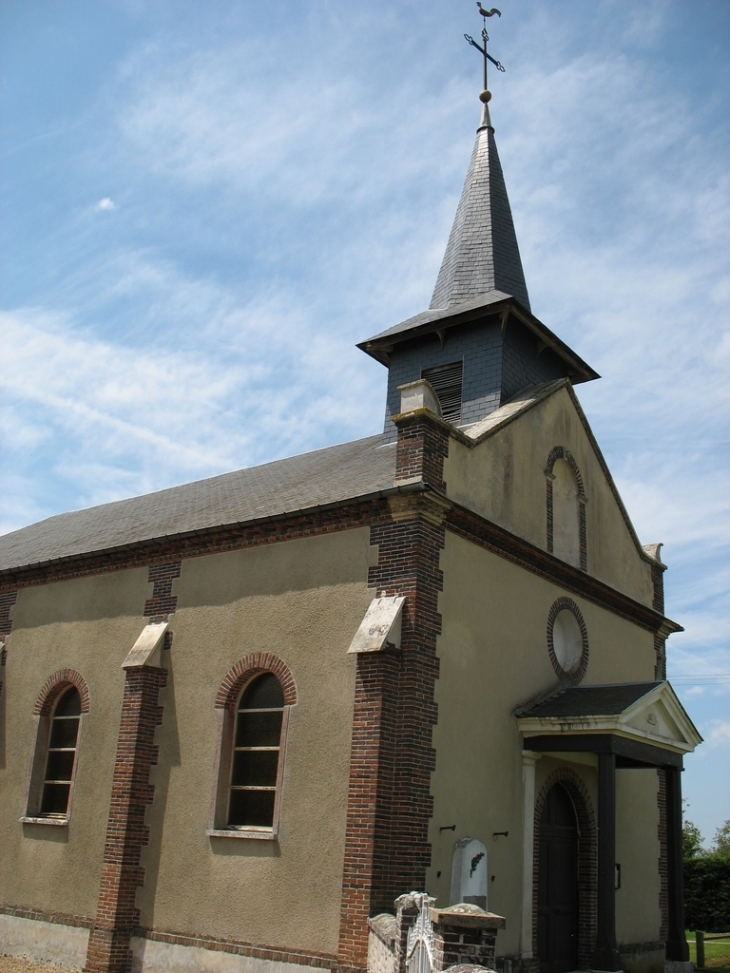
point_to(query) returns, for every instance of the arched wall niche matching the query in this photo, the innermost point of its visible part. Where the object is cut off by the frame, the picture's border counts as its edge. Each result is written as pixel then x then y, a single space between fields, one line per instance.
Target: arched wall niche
pixel 566 509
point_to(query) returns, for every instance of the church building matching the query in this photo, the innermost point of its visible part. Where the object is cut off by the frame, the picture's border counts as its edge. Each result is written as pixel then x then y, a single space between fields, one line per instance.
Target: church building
pixel 239 718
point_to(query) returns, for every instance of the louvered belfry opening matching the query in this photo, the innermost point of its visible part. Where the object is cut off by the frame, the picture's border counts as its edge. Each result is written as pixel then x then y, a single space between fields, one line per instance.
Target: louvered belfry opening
pixel 446 381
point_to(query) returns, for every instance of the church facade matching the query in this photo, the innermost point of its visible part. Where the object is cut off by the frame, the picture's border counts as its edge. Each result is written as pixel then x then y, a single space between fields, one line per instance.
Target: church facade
pixel 239 718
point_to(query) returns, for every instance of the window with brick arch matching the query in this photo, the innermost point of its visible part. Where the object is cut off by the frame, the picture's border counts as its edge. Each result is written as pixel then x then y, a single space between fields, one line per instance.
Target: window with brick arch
pixel 256 754
pixel 60 762
pixel 566 514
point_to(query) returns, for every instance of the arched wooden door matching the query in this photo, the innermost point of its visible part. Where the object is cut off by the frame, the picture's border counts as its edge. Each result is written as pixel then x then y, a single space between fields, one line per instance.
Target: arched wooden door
pixel 557 889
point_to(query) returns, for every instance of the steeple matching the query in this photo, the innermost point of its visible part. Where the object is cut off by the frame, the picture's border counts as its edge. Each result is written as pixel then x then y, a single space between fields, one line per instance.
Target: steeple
pixel 478 344
pixel 482 253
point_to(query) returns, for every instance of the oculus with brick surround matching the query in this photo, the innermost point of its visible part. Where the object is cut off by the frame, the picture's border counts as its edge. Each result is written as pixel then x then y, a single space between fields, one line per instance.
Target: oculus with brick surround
pixel 293 688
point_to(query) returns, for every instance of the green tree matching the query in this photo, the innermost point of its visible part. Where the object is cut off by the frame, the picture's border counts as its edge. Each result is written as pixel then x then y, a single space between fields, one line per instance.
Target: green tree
pixel 691 841
pixel 721 846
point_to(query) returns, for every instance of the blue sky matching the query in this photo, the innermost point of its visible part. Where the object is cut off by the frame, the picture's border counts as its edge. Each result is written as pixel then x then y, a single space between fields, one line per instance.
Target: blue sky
pixel 206 205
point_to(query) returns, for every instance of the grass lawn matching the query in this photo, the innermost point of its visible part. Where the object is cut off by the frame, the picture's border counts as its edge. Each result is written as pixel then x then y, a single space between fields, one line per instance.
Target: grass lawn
pixel 717 952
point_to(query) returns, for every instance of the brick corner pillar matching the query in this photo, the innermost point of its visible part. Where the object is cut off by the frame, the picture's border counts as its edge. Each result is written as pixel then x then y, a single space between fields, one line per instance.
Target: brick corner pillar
pixel 677 948
pixel 389 806
pixel 116 913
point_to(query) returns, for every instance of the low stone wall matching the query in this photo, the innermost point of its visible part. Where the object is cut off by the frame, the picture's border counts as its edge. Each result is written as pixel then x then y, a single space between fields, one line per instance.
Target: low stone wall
pixel 149 956
pixel 44 942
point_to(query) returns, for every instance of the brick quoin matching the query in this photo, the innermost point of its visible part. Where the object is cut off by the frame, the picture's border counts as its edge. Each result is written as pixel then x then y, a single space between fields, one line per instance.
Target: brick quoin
pixel 116 914
pixel 7 600
pixel 163 602
pixel 389 800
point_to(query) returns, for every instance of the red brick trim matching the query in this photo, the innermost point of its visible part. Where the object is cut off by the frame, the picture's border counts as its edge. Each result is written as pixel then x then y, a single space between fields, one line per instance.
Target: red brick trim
pixel 567 604
pixel 162 603
pixel 37 915
pixel 369 803
pixel 479 531
pixel 248 667
pixel 560 452
pixel 117 915
pixel 54 687
pixel 587 850
pixel 359 513
pixel 7 600
pixel 423 445
pixel 238 947
pixel 387 850
pixel 556 453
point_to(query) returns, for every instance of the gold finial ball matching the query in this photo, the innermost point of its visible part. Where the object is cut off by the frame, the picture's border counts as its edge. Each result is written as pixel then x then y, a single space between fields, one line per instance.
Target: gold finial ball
pixel 485 96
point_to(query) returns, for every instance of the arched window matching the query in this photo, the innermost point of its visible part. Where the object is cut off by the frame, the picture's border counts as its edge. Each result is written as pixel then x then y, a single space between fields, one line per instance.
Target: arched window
pixel 59 710
pixel 566 518
pixel 256 751
pixel 254 702
pixel 61 755
pixel 566 513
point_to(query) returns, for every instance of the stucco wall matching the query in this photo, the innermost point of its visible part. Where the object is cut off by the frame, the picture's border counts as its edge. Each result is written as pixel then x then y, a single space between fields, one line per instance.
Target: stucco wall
pixel 303 601
pixel 88 624
pixel 637 851
pixel 493 656
pixel 503 479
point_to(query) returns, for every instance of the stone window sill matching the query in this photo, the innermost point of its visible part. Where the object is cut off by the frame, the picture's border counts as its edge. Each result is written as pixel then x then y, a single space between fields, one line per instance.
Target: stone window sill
pixel 55 822
pixel 262 835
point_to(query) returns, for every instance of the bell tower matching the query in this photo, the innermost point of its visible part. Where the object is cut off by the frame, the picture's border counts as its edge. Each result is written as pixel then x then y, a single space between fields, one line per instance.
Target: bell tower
pixel 478 344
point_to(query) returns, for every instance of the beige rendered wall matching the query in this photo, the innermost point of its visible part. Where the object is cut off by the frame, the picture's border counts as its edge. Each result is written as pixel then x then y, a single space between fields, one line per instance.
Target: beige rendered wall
pixel 637 851
pixel 493 657
pixel 503 479
pixel 88 624
pixel 303 601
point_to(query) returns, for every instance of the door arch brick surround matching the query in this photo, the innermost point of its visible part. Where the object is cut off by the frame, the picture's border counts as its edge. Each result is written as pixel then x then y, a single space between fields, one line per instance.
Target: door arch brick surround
pixel 587 848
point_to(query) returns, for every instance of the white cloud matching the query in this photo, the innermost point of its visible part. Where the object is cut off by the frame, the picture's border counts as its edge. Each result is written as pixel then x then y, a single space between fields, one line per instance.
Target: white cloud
pixel 719 734
pixel 106 204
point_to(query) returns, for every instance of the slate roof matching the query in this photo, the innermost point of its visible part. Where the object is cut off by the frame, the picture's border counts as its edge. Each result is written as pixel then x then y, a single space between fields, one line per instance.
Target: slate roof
pixel 437 319
pixel 611 700
pixel 435 315
pixel 482 253
pixel 315 479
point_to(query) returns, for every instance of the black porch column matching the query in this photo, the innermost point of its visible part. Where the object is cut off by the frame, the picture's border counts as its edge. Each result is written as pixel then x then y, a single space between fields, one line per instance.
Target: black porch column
pixel 606 955
pixel 677 948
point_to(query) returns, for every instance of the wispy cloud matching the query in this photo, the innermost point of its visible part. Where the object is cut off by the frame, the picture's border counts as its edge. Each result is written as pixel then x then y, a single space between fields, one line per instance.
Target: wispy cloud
pixel 106 204
pixel 719 735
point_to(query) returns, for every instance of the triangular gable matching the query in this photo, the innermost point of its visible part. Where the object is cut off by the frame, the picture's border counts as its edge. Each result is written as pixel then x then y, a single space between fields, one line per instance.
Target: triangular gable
pixel 498 468
pixel 527 399
pixel 654 716
pixel 660 718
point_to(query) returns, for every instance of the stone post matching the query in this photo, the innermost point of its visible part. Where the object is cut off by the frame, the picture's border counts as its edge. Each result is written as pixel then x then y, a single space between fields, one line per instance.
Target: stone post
pixel 464 934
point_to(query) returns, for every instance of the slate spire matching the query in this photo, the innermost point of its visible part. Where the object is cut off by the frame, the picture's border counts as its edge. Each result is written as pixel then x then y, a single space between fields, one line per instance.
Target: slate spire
pixel 482 253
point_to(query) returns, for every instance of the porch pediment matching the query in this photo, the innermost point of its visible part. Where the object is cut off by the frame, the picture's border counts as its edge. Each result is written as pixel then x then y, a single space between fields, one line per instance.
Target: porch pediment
pixel 648 713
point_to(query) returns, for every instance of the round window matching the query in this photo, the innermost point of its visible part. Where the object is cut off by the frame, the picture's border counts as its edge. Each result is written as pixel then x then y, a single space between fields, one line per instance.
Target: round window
pixel 567 640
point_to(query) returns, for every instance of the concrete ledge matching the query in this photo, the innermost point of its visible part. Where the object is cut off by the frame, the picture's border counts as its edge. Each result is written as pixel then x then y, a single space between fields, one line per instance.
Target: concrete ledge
pixel 44 942
pixel 149 956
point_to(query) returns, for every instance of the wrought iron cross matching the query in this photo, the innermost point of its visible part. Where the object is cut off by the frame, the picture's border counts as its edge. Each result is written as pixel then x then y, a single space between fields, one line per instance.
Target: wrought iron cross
pixel 482 48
